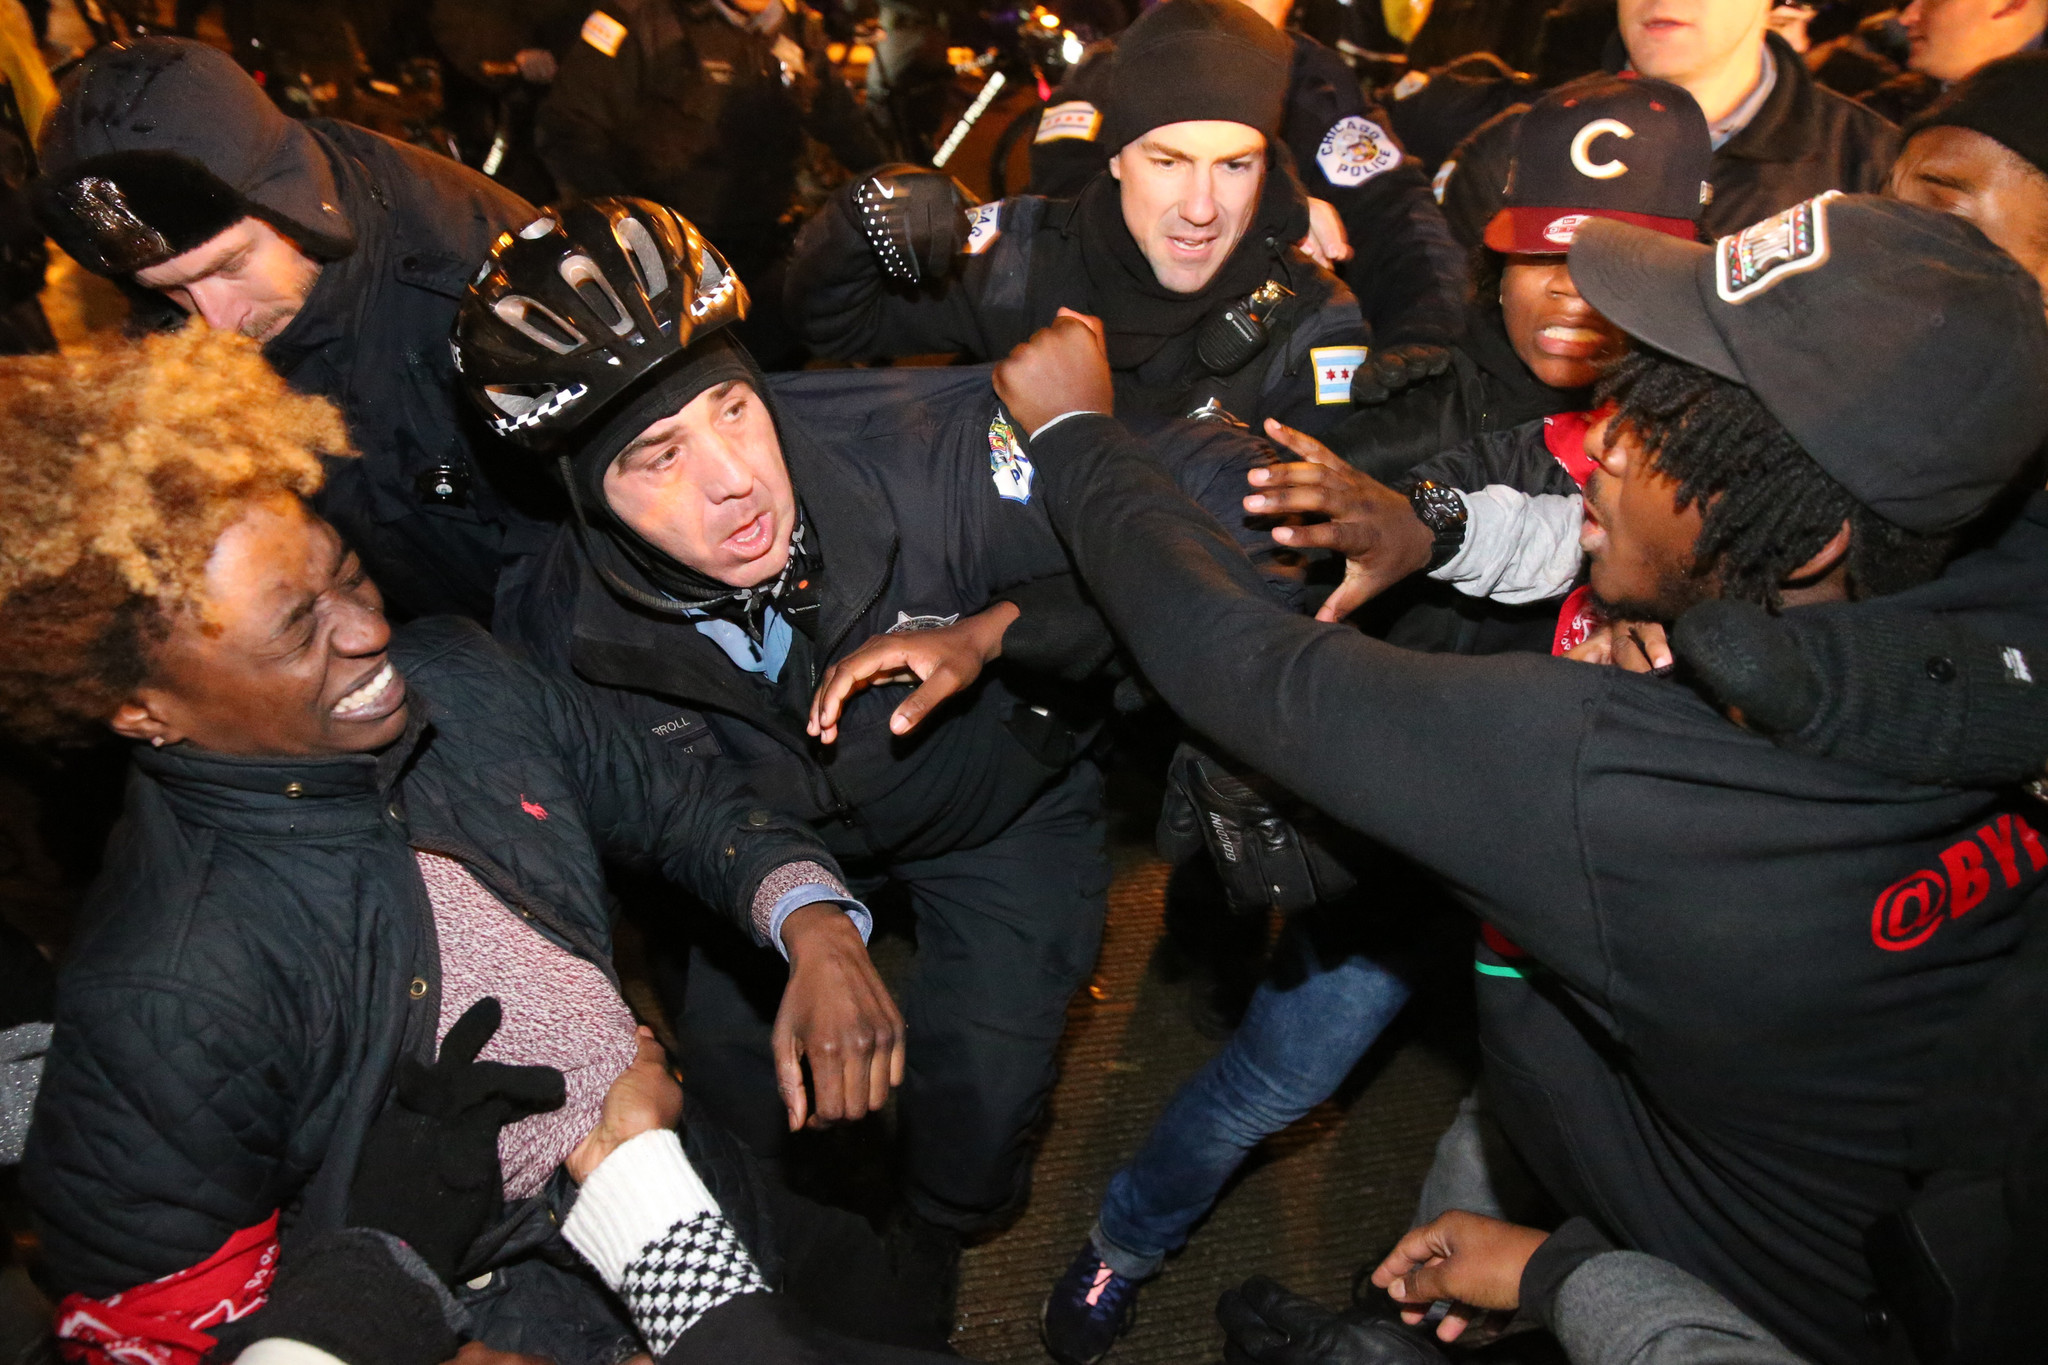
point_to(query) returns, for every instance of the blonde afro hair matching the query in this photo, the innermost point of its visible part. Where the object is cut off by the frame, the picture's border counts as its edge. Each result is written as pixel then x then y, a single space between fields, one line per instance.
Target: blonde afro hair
pixel 119 469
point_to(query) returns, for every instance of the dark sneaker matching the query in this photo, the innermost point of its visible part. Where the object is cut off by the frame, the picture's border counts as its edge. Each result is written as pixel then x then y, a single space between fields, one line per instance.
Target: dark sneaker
pixel 1089 1308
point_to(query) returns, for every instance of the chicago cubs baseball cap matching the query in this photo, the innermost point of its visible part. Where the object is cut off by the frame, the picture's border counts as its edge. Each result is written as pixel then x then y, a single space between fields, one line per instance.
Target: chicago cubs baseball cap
pixel 1605 146
pixel 1902 350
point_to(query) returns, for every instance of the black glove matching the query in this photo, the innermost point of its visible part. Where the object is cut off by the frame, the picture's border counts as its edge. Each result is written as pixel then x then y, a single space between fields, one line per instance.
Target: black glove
pixel 361 1296
pixel 1267 1324
pixel 1910 694
pixel 916 220
pixel 429 1170
pixel 1390 369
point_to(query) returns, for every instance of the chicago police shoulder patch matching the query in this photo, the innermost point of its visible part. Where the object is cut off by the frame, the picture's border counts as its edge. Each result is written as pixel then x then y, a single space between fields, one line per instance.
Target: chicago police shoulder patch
pixel 1355 150
pixel 1008 465
pixel 1334 367
pixel 1077 119
pixel 984 225
pixel 603 32
pixel 1752 261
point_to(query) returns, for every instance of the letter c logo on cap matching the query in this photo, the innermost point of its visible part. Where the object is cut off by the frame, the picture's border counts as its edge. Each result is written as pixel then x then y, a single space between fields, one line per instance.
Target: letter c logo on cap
pixel 1581 144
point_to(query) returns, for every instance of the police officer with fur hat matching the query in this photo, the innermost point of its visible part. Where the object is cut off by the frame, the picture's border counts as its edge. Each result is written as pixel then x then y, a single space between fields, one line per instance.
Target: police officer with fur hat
pixel 754 571
pixel 1184 249
pixel 168 170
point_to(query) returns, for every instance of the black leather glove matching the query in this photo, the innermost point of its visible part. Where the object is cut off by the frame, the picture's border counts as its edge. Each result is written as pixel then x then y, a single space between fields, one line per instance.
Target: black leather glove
pixel 1390 369
pixel 1267 1324
pixel 915 218
pixel 429 1171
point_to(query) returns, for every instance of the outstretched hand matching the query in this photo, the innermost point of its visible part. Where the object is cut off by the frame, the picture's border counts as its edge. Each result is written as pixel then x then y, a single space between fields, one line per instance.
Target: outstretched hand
pixel 1371 525
pixel 837 1013
pixel 1062 368
pixel 1473 1261
pixel 943 661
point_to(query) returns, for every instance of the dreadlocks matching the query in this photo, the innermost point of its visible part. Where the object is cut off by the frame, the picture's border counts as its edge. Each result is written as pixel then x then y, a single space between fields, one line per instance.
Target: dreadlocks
pixel 1766 507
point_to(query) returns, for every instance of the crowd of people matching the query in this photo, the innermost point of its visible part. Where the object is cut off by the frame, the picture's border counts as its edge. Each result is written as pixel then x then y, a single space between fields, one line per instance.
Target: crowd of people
pixel 1566 485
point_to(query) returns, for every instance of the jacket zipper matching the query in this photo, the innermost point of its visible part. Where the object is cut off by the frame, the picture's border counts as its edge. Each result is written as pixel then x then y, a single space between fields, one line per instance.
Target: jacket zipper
pixel 841 807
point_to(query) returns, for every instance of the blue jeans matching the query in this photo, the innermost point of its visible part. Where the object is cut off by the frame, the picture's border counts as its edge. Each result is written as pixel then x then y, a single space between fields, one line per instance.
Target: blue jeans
pixel 1301 1035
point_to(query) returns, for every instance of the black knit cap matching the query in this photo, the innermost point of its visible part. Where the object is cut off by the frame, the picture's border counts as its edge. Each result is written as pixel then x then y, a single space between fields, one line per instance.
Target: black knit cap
pixel 2006 100
pixel 160 143
pixel 1185 60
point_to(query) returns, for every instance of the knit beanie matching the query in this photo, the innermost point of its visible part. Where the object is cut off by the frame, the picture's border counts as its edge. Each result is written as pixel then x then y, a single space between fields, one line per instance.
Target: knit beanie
pixel 1197 59
pixel 2005 100
pixel 1910 694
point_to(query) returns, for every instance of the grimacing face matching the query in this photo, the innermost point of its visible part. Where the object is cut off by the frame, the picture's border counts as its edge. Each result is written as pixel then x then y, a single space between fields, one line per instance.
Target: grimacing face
pixel 248 278
pixel 284 654
pixel 1561 338
pixel 1981 180
pixel 1689 41
pixel 709 487
pixel 1189 191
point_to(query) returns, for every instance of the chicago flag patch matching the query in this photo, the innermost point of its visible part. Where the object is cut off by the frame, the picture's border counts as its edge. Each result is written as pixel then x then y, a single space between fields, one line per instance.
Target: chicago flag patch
pixel 1334 367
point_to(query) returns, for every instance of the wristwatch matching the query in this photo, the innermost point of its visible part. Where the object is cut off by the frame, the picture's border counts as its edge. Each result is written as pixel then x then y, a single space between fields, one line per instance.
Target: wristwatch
pixel 1442 510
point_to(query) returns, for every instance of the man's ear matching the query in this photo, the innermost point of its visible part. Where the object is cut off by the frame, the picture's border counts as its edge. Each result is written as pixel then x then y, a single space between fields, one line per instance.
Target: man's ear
pixel 1825 558
pixel 1116 166
pixel 137 718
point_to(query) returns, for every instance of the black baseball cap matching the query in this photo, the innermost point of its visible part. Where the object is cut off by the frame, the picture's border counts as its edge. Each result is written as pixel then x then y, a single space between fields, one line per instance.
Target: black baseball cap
pixel 1902 350
pixel 1624 146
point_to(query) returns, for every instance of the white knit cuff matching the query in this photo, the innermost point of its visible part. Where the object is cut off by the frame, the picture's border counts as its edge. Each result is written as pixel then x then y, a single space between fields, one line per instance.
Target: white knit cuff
pixel 285 1351
pixel 644 1188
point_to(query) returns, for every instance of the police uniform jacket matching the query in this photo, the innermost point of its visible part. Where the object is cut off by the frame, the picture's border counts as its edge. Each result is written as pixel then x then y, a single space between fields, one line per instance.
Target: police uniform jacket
pixel 1407 273
pixel 431 508
pixel 673 101
pixel 1805 139
pixel 925 512
pixel 1022 264
pixel 1731 967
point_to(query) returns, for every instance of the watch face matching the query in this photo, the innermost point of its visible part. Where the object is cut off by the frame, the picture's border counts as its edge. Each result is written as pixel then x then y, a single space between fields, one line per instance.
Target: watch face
pixel 1441 509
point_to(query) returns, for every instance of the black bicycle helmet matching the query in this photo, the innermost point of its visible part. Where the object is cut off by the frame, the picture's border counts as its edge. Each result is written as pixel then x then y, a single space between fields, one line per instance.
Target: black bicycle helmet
pixel 579 305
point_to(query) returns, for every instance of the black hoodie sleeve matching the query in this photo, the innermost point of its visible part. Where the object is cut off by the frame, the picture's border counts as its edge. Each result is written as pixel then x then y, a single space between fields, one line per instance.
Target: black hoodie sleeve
pixel 1422 752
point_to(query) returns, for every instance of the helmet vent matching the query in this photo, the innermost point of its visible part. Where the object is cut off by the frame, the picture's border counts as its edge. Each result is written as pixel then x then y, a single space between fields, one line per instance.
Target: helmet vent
pixel 638 243
pixel 583 276
pixel 537 323
pixel 714 288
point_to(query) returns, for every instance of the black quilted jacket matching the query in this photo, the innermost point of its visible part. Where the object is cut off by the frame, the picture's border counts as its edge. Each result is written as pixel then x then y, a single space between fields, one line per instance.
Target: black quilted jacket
pixel 259 950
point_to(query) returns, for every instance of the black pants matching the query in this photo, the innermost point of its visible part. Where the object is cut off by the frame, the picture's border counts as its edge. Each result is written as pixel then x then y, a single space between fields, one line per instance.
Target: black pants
pixel 1006 933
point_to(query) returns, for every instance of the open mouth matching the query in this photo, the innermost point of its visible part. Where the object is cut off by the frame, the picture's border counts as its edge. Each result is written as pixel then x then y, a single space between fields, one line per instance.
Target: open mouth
pixel 1592 535
pixel 378 697
pixel 754 538
pixel 1191 247
pixel 1571 343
